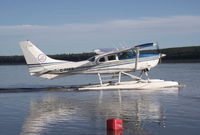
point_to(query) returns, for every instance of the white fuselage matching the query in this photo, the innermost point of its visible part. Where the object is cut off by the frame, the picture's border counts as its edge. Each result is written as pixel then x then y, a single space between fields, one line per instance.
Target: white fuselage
pixel 114 66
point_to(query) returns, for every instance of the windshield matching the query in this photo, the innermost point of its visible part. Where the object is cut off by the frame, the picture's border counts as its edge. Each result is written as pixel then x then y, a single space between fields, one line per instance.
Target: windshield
pixel 126 55
pixel 92 59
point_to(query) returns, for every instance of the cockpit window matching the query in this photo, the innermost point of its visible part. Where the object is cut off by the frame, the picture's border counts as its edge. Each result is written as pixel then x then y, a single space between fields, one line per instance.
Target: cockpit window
pixel 91 59
pixel 102 59
pixel 112 57
pixel 126 55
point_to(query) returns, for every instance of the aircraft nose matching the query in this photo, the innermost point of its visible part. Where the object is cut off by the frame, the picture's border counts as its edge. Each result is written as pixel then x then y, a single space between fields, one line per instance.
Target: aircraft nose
pixel 162 55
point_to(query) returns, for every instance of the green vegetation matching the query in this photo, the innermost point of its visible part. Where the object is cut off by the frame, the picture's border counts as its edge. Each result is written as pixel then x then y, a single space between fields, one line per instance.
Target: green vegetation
pixel 12 60
pixel 179 55
pixel 182 54
pixel 175 55
pixel 7 60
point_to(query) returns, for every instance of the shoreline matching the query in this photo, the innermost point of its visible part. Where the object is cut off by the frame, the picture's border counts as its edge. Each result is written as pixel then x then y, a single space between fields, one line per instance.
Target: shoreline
pixel 163 62
pixel 188 54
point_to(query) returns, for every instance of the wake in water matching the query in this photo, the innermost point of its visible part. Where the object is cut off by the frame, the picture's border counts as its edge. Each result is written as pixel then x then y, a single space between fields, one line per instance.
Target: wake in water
pixel 36 89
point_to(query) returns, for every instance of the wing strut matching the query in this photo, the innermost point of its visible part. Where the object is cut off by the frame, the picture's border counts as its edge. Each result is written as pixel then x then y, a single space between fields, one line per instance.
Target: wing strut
pixel 137 56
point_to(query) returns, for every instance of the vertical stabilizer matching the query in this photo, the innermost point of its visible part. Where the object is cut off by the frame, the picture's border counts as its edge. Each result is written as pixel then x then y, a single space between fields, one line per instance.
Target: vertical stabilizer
pixel 34 55
pixel 39 63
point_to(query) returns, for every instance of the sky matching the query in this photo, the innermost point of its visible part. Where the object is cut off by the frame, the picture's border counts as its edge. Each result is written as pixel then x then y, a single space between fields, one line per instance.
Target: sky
pixel 76 26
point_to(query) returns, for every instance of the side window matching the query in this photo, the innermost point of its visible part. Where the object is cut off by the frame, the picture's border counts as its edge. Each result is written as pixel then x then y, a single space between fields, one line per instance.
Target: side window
pixel 102 59
pixel 112 57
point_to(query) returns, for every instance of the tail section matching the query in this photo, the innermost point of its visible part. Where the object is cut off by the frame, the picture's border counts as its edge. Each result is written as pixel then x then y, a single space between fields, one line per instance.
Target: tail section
pixel 38 62
pixel 34 55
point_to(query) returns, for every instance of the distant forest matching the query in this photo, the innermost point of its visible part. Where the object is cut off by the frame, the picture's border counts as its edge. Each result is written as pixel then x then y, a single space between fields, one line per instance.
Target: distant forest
pixel 182 54
pixel 174 55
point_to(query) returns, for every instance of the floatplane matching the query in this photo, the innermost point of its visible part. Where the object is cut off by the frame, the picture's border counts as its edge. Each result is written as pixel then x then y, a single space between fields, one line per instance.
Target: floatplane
pixel 111 63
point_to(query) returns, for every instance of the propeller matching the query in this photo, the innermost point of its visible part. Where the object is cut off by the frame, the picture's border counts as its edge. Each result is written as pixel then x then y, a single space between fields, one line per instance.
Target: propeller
pixel 157 47
pixel 159 52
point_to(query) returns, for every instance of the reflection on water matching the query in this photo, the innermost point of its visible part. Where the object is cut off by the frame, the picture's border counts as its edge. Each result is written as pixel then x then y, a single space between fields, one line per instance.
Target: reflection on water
pixel 45 111
pixel 115 132
pixel 86 112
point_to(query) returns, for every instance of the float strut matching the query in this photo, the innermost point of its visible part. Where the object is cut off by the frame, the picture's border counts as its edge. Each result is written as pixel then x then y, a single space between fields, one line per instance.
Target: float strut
pixel 101 83
pixel 120 74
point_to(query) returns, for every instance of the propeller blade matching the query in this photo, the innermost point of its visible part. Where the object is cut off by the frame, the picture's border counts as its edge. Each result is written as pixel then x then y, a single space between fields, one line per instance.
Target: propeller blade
pixel 158 50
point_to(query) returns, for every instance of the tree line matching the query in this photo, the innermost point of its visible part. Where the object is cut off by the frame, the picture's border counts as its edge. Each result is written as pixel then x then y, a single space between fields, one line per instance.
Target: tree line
pixel 70 57
pixel 181 54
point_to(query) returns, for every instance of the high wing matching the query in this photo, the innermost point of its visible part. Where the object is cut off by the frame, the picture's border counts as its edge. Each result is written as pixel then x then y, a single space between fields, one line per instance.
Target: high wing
pixel 146 45
pixel 115 51
pixel 104 50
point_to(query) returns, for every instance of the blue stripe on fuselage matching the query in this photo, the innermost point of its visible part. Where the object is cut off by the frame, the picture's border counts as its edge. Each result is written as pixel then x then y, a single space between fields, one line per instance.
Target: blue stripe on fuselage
pixel 142 55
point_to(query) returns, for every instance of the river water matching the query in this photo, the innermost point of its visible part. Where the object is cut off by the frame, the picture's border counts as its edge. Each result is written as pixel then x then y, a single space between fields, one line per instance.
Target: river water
pixel 144 112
